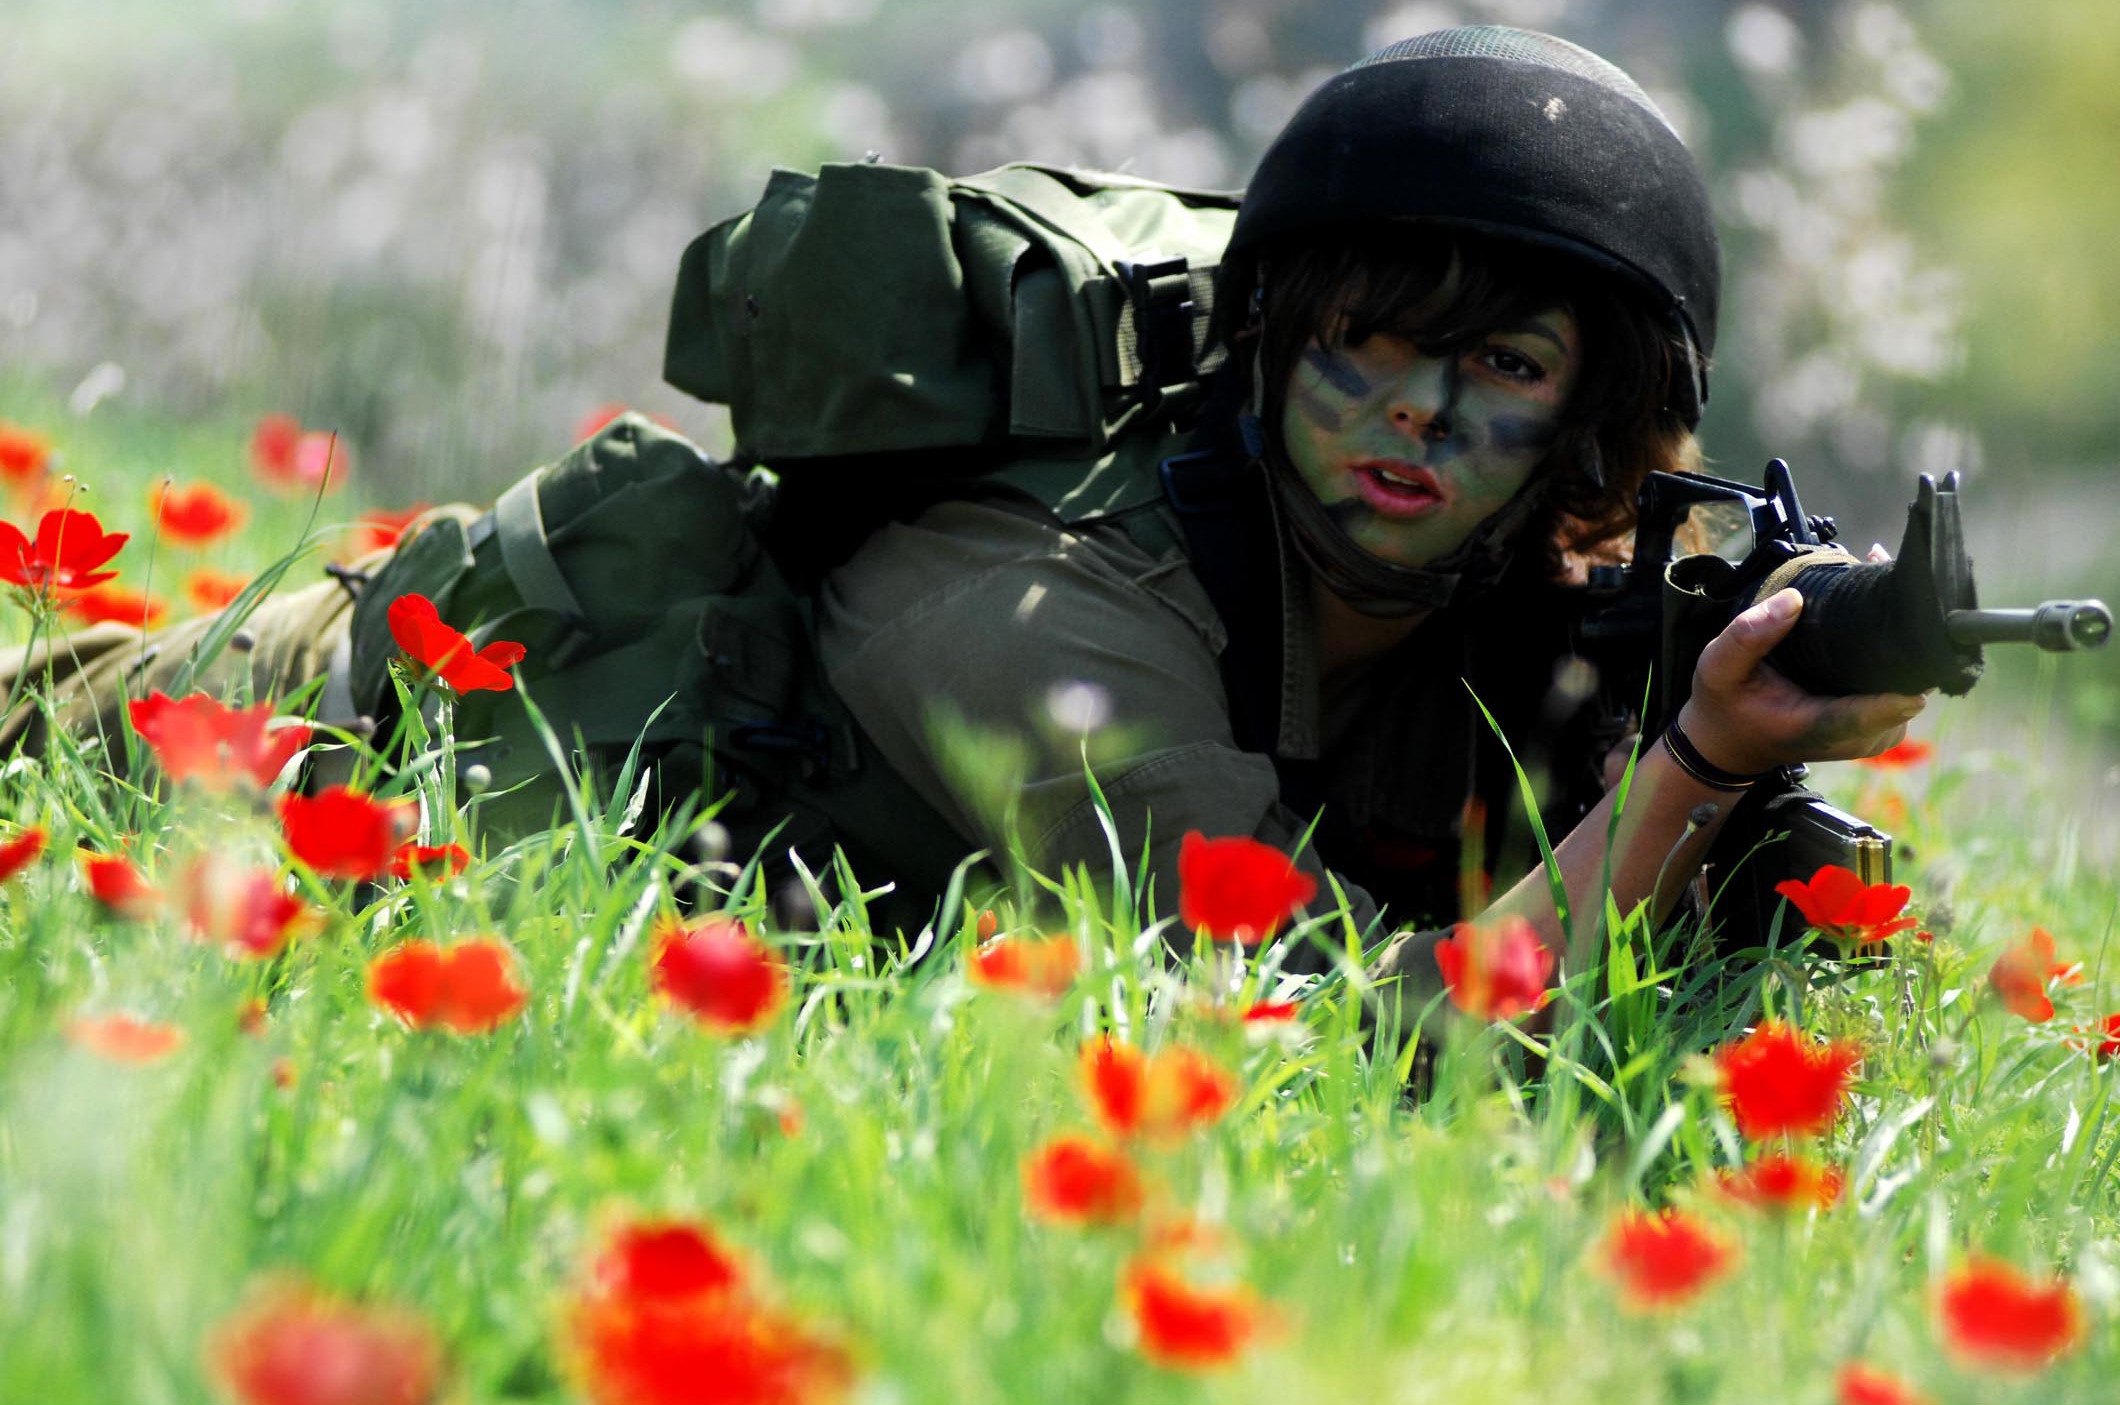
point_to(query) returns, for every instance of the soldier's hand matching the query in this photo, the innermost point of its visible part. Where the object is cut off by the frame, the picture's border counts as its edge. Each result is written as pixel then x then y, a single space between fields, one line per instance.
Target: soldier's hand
pixel 1745 717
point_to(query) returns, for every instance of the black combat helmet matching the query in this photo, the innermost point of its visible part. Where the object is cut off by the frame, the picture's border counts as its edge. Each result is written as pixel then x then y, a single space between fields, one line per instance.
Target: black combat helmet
pixel 1512 133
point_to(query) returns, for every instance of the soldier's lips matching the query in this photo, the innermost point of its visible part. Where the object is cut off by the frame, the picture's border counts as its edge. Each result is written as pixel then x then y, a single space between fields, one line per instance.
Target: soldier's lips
pixel 1396 488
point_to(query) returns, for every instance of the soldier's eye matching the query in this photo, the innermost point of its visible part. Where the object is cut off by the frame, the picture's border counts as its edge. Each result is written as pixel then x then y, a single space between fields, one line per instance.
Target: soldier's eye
pixel 1514 364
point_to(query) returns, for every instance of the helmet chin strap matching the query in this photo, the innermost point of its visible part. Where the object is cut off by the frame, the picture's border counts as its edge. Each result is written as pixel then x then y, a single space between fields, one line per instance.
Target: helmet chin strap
pixel 1367 582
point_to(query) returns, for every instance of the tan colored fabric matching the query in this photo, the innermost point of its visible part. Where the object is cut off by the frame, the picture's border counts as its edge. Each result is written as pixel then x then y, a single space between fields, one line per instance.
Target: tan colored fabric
pixel 93 672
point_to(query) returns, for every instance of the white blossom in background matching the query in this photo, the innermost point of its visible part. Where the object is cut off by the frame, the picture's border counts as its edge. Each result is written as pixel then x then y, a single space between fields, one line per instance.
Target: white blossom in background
pixel 732 62
pixel 1078 706
pixel 1406 21
pixel 1763 40
pixel 1239 42
pixel 1108 36
pixel 814 14
pixel 1004 67
pixel 1833 306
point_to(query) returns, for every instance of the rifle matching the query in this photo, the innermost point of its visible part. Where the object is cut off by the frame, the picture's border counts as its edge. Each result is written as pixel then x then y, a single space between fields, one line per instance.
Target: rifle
pixel 1904 626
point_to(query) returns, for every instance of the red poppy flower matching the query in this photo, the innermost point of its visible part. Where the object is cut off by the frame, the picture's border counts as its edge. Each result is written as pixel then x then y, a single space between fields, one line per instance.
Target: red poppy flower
pixel 123 1039
pixel 1783 1182
pixel 668 1320
pixel 592 423
pixel 1843 907
pixel 1238 889
pixel 342 833
pixel 1038 966
pixel 1993 1315
pixel 1186 1326
pixel 1897 758
pixel 1495 973
pixel 1864 1385
pixel 209 590
pixel 321 460
pixel 1159 1096
pixel 117 604
pixel 2106 1030
pixel 1664 1259
pixel 433 645
pixel 666 1259
pixel 431 860
pixel 250 1019
pixel 245 910
pixel 469 988
pixel 598 419
pixel 22 850
pixel 1778 1081
pixel 379 527
pixel 69 547
pixel 24 455
pixel 195 516
pixel 272 446
pixel 1074 1179
pixel 1272 1012
pixel 2020 975
pixel 727 979
pixel 206 741
pixel 117 883
pixel 293 1344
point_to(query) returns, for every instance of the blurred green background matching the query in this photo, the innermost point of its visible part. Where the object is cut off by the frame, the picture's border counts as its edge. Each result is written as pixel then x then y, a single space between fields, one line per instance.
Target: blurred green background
pixel 448 227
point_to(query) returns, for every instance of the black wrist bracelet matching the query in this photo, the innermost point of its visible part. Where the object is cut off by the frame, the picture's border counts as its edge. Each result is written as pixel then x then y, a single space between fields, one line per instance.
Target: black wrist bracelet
pixel 1700 767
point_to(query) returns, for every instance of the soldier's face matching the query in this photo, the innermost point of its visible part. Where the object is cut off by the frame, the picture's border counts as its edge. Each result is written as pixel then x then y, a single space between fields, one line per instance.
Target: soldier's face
pixel 1410 449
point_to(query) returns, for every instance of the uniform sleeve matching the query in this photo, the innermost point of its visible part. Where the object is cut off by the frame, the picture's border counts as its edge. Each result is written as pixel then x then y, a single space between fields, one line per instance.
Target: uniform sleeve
pixel 972 619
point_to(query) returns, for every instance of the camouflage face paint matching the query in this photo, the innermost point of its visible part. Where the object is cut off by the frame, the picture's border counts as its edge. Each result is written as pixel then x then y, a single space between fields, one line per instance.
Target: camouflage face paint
pixel 1335 370
pixel 1410 450
pixel 1332 382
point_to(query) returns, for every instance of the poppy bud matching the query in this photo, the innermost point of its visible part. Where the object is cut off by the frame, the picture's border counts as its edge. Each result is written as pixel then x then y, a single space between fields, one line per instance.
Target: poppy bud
pixel 793 910
pixel 709 844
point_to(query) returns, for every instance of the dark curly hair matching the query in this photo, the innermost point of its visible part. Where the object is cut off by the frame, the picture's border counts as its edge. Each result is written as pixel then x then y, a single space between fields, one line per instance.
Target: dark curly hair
pixel 1446 286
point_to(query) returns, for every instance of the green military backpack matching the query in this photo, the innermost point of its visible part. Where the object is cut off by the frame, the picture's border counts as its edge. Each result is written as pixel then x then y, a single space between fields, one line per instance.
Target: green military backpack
pixel 871 325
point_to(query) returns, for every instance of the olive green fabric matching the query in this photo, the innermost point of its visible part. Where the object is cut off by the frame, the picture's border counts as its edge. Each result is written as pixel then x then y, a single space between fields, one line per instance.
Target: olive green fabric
pixel 873 308
pixel 632 573
pixel 981 619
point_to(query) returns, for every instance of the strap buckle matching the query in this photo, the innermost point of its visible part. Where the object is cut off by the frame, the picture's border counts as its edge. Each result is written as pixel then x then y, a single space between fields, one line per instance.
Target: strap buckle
pixel 1159 289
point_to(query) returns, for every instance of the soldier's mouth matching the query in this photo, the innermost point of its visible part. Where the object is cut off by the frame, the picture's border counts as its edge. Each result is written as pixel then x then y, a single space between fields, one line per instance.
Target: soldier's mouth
pixel 1397 488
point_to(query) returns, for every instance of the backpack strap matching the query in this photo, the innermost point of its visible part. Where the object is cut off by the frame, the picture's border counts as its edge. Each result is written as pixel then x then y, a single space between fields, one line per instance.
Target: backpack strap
pixel 519 522
pixel 1230 546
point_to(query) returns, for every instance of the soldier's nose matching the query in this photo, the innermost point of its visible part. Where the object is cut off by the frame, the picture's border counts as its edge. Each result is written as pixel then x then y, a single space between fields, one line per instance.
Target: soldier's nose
pixel 1420 401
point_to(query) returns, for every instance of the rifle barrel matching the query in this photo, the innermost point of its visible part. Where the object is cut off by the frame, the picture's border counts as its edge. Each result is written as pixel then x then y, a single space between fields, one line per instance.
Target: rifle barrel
pixel 2057 626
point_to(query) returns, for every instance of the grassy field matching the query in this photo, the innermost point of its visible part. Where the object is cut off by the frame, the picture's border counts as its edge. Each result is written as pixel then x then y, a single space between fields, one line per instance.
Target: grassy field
pixel 450 1200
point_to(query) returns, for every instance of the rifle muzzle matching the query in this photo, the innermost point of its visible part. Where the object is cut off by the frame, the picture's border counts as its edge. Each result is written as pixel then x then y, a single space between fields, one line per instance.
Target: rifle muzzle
pixel 2057 626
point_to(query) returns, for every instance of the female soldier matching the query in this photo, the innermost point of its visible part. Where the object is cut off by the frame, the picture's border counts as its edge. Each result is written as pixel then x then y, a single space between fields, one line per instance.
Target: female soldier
pixel 1469 301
